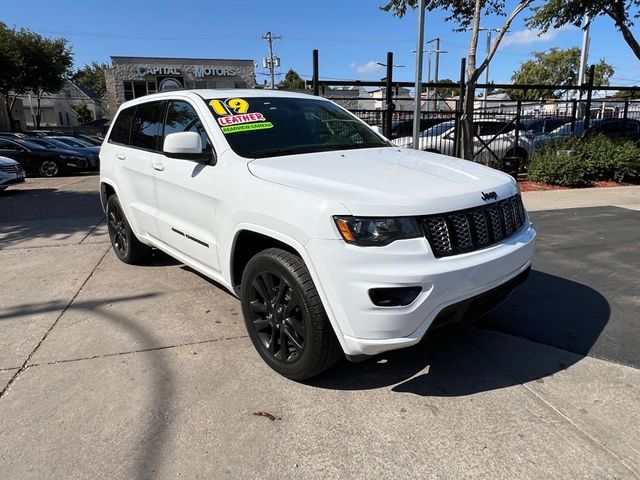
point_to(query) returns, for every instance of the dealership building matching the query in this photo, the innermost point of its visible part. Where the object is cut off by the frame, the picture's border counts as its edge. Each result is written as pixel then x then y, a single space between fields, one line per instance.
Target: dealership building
pixel 133 77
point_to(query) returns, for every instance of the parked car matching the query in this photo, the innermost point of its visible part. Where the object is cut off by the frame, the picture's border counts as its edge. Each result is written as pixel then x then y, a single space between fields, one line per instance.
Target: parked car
pixel 565 131
pixel 91 153
pixel 37 159
pixel 11 172
pixel 618 128
pixel 496 141
pixel 334 240
pixel 405 129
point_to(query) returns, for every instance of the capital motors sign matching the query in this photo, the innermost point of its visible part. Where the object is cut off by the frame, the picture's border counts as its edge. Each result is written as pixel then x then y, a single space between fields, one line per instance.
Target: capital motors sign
pixel 199 71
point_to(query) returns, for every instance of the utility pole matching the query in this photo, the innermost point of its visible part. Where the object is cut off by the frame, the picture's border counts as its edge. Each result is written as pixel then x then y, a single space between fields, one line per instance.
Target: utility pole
pixel 271 62
pixel 584 54
pixel 418 92
pixel 486 73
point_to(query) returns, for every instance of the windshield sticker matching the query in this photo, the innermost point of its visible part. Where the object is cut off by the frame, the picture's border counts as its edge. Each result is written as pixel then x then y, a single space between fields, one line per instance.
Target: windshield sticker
pixel 246 127
pixel 234 116
pixel 243 118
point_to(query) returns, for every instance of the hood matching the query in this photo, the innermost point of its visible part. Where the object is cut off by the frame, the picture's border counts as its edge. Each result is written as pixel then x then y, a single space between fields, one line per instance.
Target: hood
pixel 387 181
pixel 7 161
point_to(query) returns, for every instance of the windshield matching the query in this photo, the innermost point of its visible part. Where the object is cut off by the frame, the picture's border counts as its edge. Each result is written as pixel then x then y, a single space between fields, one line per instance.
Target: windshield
pixel 260 127
pixel 31 145
pixel 72 142
pixel 438 129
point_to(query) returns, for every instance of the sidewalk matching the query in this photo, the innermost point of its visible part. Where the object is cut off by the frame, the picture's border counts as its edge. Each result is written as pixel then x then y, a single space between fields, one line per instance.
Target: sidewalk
pixel 626 197
pixel 145 372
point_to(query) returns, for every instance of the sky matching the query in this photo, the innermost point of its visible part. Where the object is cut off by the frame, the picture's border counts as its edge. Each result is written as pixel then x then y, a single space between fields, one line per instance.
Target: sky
pixel 351 36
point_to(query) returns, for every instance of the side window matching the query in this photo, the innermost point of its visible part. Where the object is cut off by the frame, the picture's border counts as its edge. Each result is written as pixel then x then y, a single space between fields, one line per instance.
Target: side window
pixel 7 145
pixel 147 126
pixel 181 117
pixel 122 128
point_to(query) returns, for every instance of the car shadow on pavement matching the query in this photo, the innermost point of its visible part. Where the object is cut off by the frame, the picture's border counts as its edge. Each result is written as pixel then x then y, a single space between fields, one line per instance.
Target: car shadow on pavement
pixel 153 439
pixel 47 213
pixel 482 357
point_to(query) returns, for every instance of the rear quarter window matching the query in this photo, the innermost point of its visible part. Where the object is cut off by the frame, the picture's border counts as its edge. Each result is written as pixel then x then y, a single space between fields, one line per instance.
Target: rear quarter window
pixel 121 130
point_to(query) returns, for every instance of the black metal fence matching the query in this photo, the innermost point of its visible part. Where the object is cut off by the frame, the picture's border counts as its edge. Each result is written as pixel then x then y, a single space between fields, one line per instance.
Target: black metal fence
pixel 509 123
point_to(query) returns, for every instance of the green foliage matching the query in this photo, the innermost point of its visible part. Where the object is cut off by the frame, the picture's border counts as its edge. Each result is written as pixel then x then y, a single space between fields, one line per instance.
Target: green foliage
pixel 292 81
pixel 446 92
pixel 92 77
pixel 579 162
pixel 555 67
pixel 557 13
pixel 32 63
pixel 460 11
pixel 83 112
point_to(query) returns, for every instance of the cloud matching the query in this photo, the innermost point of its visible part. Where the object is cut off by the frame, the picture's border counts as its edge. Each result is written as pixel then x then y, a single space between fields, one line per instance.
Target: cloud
pixel 370 67
pixel 526 37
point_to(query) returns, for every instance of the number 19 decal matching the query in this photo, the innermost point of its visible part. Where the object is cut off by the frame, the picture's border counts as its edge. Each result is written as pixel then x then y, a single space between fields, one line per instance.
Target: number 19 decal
pixel 231 106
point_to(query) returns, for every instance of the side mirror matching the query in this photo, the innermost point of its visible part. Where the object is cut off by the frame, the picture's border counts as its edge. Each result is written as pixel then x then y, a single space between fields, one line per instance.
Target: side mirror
pixel 187 146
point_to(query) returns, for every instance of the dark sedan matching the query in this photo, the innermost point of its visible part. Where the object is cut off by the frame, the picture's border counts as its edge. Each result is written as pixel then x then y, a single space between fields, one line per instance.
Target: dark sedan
pixel 92 153
pixel 37 159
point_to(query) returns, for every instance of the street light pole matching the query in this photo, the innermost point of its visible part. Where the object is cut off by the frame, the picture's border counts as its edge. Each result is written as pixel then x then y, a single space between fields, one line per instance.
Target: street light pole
pixel 418 85
pixel 486 73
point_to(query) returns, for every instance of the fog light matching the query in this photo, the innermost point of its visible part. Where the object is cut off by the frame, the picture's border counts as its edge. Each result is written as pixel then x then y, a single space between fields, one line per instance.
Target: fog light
pixel 394 297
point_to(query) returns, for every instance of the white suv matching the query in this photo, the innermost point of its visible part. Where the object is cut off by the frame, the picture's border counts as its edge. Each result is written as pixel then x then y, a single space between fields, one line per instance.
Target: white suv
pixel 334 239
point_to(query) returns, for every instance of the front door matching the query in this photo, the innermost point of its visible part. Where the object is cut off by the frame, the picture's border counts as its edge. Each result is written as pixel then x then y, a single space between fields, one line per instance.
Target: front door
pixel 185 192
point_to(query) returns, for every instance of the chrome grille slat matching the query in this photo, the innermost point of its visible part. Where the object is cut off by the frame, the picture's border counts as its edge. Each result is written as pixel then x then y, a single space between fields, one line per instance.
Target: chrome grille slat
pixel 9 168
pixel 467 230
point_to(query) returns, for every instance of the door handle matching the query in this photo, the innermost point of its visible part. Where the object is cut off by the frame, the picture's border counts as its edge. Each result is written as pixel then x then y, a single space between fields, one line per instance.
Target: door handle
pixel 157 166
pixel 121 156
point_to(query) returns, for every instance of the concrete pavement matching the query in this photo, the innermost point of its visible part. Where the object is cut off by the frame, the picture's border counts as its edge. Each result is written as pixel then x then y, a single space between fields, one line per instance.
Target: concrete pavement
pixel 146 372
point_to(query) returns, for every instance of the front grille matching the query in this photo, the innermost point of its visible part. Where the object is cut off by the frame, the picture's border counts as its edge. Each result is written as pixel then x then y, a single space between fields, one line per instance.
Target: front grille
pixel 9 168
pixel 468 230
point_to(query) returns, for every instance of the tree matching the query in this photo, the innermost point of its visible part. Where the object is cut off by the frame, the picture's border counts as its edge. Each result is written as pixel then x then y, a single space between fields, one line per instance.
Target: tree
pixel 92 77
pixel 555 67
pixel 31 63
pixel 46 64
pixel 467 14
pixel 292 81
pixel 83 112
pixel 446 92
pixel 11 82
pixel 556 13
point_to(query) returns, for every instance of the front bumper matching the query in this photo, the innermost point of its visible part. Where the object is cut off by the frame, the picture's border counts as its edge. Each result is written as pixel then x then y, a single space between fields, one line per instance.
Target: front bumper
pixel 346 274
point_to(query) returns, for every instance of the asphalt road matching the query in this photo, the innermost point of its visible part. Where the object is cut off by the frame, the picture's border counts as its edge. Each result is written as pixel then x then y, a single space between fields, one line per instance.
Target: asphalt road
pixel 583 295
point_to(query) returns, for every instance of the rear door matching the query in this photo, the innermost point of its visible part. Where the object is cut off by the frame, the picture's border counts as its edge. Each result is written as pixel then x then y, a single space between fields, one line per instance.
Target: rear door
pixel 11 149
pixel 134 145
pixel 185 192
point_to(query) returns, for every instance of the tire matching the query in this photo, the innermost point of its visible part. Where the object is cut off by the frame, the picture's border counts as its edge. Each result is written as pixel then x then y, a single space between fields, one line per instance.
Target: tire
pixel 124 242
pixel 281 306
pixel 49 168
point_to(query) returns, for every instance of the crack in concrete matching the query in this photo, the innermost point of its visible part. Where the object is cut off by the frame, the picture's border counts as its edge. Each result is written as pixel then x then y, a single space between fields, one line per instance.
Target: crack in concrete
pixel 24 365
pixel 554 409
pixel 91 231
pixel 143 350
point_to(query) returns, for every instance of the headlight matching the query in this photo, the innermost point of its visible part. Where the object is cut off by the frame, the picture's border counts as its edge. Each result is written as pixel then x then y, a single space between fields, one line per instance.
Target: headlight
pixel 377 232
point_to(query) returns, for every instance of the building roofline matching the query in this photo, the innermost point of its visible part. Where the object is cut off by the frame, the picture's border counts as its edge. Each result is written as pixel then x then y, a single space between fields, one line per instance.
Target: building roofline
pixel 113 57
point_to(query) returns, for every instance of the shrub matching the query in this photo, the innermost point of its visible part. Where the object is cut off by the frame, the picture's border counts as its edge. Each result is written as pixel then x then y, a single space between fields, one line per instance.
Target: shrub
pixel 579 162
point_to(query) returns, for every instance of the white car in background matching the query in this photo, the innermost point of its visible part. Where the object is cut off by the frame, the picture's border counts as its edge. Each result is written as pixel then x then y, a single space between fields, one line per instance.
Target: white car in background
pixel 11 172
pixel 494 140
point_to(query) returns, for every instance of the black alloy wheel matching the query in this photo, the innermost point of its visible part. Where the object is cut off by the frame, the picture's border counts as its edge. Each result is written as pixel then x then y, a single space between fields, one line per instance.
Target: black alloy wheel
pixel 49 168
pixel 277 316
pixel 125 244
pixel 284 315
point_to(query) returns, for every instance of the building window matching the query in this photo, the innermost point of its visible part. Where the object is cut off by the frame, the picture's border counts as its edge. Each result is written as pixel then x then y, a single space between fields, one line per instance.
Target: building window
pixel 68 120
pixel 60 118
pixel 138 88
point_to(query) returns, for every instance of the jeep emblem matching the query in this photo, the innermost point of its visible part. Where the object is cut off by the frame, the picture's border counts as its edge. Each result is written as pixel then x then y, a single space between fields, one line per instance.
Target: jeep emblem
pixel 489 196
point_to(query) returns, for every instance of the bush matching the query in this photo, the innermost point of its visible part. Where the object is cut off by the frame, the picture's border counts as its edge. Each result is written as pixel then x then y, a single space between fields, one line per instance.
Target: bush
pixel 578 162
